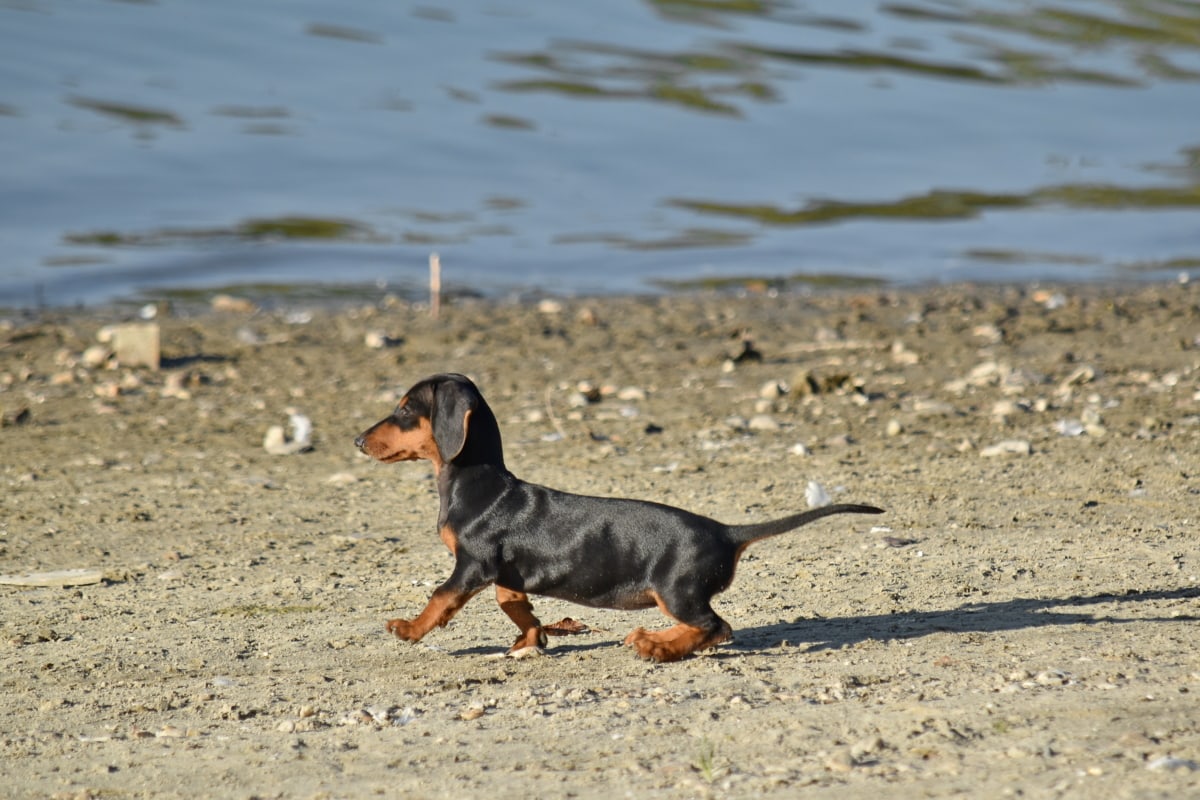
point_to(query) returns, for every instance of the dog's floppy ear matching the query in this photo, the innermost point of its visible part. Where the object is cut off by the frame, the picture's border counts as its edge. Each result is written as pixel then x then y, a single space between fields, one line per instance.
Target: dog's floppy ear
pixel 453 403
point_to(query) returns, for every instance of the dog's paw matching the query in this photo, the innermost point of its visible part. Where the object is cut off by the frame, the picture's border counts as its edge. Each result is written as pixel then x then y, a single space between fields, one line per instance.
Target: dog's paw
pixel 651 646
pixel 402 629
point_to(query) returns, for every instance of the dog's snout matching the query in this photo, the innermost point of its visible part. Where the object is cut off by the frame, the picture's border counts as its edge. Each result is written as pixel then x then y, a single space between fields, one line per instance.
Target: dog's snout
pixel 360 441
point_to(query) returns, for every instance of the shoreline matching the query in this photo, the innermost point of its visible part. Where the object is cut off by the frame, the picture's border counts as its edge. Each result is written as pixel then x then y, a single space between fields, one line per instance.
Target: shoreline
pixel 1018 620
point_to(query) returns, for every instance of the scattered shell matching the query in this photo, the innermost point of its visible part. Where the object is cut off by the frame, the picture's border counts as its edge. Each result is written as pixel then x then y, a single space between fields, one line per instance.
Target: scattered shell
pixel 1069 427
pixel 1080 376
pixel 1008 447
pixel 816 496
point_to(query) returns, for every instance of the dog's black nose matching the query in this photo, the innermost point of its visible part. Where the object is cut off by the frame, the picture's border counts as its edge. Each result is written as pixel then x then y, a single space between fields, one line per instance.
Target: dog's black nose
pixel 360 442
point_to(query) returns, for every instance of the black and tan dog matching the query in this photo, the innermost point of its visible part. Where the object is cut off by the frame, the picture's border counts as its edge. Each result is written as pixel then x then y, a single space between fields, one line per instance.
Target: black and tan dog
pixel 527 539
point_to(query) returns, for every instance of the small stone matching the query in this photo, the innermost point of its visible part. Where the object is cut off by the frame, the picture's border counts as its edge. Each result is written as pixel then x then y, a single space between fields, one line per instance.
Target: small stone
pixel 1003 409
pixel 773 390
pixel 473 712
pixel 1008 447
pixel 902 356
pixel 591 392
pixel 229 303
pixel 865 747
pixel 763 422
pixel 95 356
pixel 550 306
pixel 137 345
pixel 1052 677
pixel 800 449
pixel 991 334
pixel 841 761
pixel 894 428
pixel 1080 376
pixel 631 393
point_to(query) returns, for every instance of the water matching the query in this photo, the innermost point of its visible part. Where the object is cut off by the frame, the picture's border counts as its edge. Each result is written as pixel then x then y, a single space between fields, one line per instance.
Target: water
pixel 153 147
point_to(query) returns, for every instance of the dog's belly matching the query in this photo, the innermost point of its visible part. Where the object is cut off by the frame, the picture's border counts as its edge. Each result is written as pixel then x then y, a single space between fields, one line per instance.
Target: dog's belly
pixel 622 601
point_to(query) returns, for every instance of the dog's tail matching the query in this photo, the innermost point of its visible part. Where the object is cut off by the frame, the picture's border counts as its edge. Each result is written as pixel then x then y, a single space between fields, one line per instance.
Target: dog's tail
pixel 745 534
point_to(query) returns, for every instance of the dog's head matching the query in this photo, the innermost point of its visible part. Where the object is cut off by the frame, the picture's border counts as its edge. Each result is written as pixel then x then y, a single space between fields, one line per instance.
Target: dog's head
pixel 440 419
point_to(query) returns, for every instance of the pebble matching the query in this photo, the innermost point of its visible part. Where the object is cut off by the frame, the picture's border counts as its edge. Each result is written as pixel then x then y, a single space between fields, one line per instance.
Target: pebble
pixel 763 422
pixel 902 356
pixel 841 761
pixel 95 356
pixel 800 449
pixel 989 333
pixel 377 340
pixel 137 345
pixel 1052 677
pixel 773 390
pixel 1008 447
pixel 1003 409
pixel 894 428
pixel 229 303
pixel 631 393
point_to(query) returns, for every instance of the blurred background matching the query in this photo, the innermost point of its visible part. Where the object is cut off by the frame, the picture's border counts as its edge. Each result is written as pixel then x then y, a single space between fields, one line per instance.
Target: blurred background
pixel 307 147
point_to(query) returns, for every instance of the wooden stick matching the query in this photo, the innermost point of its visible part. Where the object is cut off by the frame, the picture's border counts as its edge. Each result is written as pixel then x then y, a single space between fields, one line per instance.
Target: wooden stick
pixel 435 285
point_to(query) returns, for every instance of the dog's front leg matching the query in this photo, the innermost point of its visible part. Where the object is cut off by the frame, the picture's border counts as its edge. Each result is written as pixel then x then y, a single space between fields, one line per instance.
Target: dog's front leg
pixel 442 606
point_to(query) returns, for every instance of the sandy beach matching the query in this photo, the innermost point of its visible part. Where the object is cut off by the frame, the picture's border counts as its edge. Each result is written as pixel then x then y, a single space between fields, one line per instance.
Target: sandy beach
pixel 1021 622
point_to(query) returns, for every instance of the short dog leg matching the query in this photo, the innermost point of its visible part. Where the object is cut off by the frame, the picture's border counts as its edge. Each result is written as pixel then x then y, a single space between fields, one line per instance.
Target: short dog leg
pixel 701 630
pixel 443 605
pixel 518 608
pixel 675 642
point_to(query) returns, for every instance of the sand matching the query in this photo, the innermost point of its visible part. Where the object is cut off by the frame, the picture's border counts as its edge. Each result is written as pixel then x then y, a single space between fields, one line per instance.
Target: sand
pixel 1022 621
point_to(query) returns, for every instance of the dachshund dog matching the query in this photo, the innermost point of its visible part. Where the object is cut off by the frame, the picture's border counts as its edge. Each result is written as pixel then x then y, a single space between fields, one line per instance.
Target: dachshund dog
pixel 527 539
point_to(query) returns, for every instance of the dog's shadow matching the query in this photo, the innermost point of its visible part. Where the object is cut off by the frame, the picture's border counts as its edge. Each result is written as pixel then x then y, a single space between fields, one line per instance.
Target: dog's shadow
pixel 832 633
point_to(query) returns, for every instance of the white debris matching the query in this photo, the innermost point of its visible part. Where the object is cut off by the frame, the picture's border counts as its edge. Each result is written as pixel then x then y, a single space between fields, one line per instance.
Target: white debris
pixel 279 443
pixel 816 495
pixel 1009 447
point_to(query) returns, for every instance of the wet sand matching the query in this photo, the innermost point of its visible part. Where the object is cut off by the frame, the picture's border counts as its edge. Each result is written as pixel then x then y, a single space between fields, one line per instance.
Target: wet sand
pixel 1022 621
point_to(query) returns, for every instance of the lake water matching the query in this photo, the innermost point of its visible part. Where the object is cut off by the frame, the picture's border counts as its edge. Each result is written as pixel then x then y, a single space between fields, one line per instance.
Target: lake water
pixel 153 147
